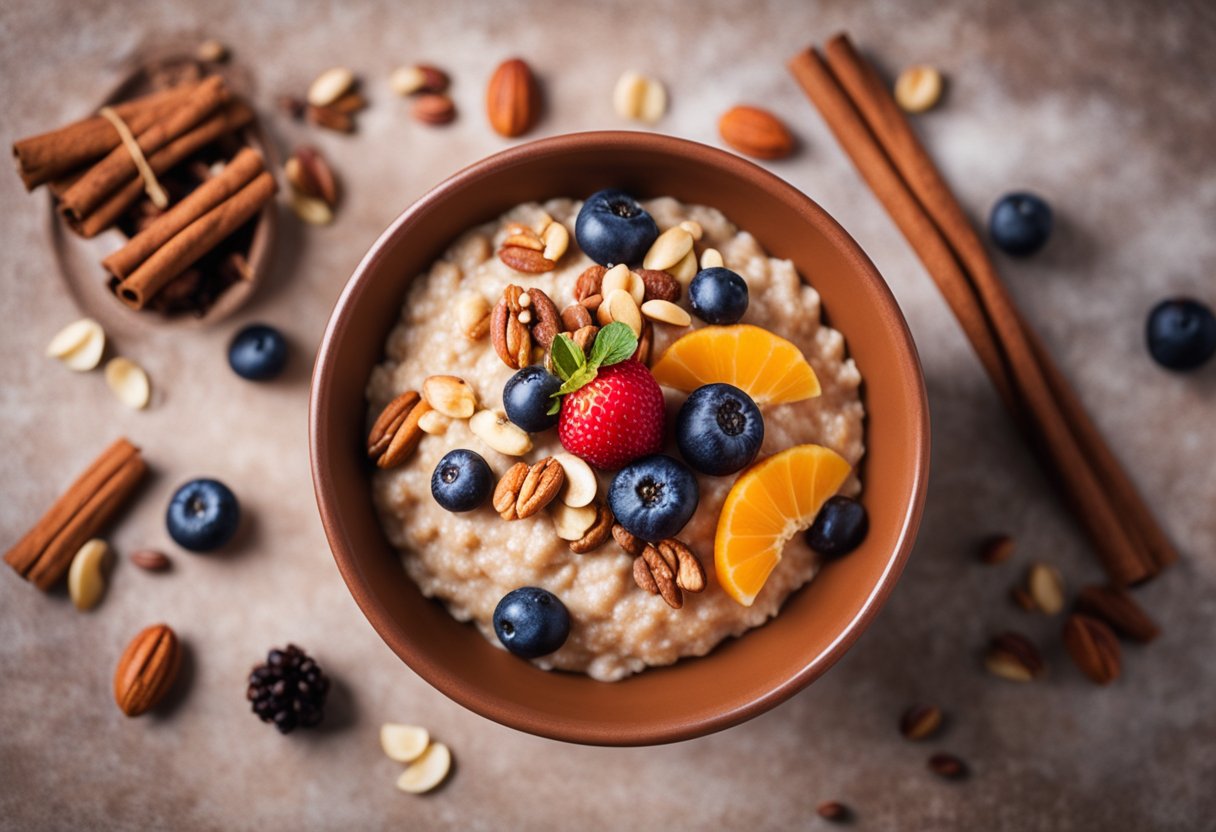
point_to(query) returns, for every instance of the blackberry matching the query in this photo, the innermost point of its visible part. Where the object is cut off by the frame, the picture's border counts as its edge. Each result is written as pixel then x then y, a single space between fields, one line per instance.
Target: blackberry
pixel 288 690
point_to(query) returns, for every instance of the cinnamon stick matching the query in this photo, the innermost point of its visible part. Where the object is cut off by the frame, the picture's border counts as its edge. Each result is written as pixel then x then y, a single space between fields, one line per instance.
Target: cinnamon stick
pixel 50 155
pixel 118 168
pixel 233 116
pixel 236 174
pixel 195 240
pixel 872 130
pixel 44 554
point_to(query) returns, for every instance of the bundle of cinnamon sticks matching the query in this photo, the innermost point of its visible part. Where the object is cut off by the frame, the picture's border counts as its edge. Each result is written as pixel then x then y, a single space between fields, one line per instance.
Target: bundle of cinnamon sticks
pixel 98 168
pixel 861 112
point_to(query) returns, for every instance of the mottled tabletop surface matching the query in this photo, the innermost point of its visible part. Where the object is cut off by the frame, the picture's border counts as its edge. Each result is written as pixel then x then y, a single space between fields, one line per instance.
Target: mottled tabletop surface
pixel 1104 108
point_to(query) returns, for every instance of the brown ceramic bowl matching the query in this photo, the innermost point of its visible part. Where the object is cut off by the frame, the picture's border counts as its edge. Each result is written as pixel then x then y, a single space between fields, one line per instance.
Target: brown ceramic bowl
pixel 742 677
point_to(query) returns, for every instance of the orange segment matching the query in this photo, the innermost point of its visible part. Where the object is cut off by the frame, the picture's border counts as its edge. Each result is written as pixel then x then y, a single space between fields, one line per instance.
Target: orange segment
pixel 771 502
pixel 765 366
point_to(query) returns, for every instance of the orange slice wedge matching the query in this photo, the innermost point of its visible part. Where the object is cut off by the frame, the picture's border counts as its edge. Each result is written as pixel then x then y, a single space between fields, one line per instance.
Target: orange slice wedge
pixel 771 502
pixel 765 366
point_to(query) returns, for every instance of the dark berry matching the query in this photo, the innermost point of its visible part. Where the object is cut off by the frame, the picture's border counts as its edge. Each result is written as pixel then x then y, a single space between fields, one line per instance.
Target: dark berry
pixel 839 527
pixel 531 622
pixel 719 429
pixel 1181 333
pixel 654 497
pixel 1020 223
pixel 203 515
pixel 462 480
pixel 289 690
pixel 718 296
pixel 527 397
pixel 258 352
pixel 612 227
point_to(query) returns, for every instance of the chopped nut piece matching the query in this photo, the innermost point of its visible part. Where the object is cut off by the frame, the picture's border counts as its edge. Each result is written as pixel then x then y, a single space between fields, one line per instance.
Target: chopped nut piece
pixel 330 118
pixel 659 285
pixel 493 428
pixel 665 568
pixel 150 560
pixel 589 283
pixel 407 80
pixel 525 260
pixel 1022 598
pixel 686 269
pixel 428 771
pixel 396 433
pixel 575 317
pixel 639 98
pixel 918 88
pixel 451 396
pixel 129 382
pixel 627 541
pixel 86 578
pixel 330 85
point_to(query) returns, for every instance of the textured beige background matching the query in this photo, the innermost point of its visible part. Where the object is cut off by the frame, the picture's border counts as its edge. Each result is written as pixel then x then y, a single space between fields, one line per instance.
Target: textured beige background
pixel 1105 108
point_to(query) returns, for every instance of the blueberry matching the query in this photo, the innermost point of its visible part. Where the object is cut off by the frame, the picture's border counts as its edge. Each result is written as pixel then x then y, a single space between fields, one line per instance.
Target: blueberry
pixel 527 397
pixel 1181 333
pixel 718 296
pixel 839 527
pixel 531 622
pixel 1020 223
pixel 654 497
pixel 612 227
pixel 258 352
pixel 462 480
pixel 203 515
pixel 719 429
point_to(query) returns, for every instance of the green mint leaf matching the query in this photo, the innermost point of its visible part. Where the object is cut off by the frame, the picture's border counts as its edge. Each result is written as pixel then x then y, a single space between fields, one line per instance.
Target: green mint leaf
pixel 556 407
pixel 613 344
pixel 584 376
pixel 568 358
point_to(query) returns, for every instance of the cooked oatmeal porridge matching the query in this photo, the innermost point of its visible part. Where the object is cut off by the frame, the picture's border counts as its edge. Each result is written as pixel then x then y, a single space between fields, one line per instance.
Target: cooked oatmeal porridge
pixel 470 560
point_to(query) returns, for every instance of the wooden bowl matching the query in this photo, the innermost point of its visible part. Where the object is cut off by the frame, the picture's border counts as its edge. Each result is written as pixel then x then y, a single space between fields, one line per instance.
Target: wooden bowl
pixel 743 676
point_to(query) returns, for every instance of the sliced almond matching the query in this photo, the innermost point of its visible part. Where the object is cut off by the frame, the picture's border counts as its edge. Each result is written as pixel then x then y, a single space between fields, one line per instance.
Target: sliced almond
pixel 557 240
pixel 129 382
pixel 86 581
pixel 451 396
pixel 79 345
pixel 571 522
pixel 670 248
pixel 330 85
pixel 427 771
pixel 620 277
pixel 311 209
pixel 666 312
pixel 403 743
pixel 581 483
pixel 493 428
pixel 619 305
pixel 686 269
pixel 711 258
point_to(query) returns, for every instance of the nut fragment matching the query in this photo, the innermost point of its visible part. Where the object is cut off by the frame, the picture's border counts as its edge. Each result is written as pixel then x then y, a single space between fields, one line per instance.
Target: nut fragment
pixel 311 210
pixel 1117 608
pixel 756 132
pixel 589 283
pixel 599 532
pixel 659 285
pixel 396 433
pixel 211 52
pixel 79 345
pixel 493 428
pixel 146 670
pixel 620 306
pixel 918 88
pixel 666 312
pixel 150 559
pixel 1012 656
pixel 996 549
pixel 86 578
pixel 571 523
pixel 1093 648
pixel 330 85
pixel 512 99
pixel 581 484
pixel 473 315
pixel 128 381
pixel 947 766
pixel 428 771
pixel 330 118
pixel 639 98
pixel 920 722
pixel 403 743
pixel 451 396
pixel 407 80
pixel 711 258
pixel 620 277
pixel 433 108
pixel 632 545
pixel 434 423
pixel 1046 587
pixel 672 246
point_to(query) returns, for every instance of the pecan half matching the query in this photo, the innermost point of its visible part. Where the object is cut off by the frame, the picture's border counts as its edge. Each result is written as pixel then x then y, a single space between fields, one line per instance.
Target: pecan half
pixel 526 489
pixel 588 283
pixel 599 532
pixel 1093 647
pixel 659 285
pixel 665 568
pixel 575 317
pixel 396 433
pixel 521 317
pixel 627 541
pixel 526 260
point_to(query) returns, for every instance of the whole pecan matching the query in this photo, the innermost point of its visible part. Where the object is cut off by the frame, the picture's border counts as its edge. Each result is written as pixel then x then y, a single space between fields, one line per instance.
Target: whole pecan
pixel 526 489
pixel 659 285
pixel 522 316
pixel 599 532
pixel 396 433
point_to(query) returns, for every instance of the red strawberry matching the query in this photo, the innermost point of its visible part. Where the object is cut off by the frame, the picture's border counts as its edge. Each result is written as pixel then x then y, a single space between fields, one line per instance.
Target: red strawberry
pixel 615 418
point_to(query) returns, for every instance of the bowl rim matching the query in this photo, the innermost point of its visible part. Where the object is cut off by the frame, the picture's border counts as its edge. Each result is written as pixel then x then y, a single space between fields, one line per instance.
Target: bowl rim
pixel 891 317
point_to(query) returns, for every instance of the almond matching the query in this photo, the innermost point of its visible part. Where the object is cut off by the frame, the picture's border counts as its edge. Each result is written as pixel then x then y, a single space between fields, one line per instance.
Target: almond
pixel 755 132
pixel 435 109
pixel 512 99
pixel 146 669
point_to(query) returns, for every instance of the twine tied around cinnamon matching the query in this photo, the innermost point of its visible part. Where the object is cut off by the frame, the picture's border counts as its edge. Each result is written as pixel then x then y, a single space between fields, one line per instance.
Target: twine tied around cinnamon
pixel 151 185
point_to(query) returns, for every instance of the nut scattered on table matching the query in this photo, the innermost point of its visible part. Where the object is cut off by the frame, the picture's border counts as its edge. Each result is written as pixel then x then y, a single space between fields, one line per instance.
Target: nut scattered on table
pixel 1116 607
pixel 495 429
pixel 310 209
pixel 639 98
pixel 433 108
pixel 86 575
pixel 79 345
pixel 1093 647
pixel 1045 585
pixel 947 766
pixel 756 132
pixel 918 88
pixel 1012 656
pixel 996 549
pixel 150 560
pixel 330 85
pixel 920 722
pixel 834 811
pixel 403 743
pixel 128 381
pixel 211 52
pixel 428 771
pixel 146 670
pixel 309 174
pixel 418 78
pixel 512 99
